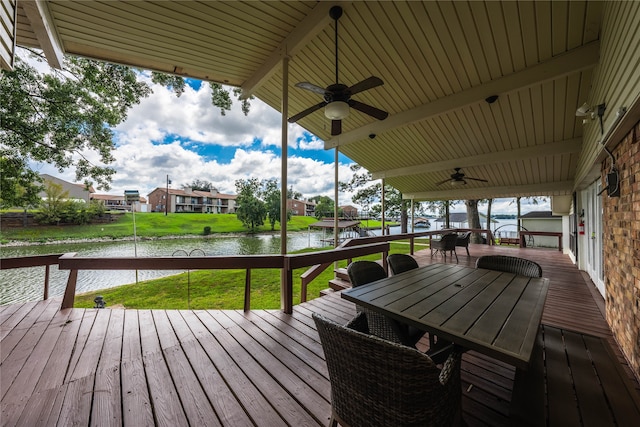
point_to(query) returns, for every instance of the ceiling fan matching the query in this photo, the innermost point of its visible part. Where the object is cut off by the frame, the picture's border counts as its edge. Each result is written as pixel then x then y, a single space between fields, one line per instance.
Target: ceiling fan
pixel 459 178
pixel 337 97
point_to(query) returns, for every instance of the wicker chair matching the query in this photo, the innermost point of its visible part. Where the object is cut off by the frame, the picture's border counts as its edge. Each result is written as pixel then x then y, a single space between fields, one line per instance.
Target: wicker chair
pixel 363 272
pixel 510 264
pixel 446 244
pixel 399 263
pixel 463 241
pixel 375 382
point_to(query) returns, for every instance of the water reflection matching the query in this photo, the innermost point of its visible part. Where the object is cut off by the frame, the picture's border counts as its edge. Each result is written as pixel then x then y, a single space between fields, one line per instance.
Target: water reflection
pixel 26 284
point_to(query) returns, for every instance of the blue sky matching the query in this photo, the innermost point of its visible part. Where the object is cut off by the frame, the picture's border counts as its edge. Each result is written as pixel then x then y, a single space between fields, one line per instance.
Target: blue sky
pixel 188 139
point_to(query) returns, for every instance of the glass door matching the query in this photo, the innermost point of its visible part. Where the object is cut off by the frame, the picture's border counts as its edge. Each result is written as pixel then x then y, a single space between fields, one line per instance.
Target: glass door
pixel 593 236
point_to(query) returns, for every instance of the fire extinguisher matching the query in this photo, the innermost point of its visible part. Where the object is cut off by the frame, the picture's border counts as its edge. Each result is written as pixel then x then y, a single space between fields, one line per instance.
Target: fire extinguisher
pixel 581 228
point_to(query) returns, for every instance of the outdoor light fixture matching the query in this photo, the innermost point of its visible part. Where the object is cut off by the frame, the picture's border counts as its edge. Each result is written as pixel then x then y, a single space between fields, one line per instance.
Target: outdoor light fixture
pixel 336 110
pixel 458 182
pixel 584 110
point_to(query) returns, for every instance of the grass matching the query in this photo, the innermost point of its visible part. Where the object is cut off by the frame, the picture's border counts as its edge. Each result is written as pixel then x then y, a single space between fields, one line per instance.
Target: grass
pixel 150 225
pixel 215 289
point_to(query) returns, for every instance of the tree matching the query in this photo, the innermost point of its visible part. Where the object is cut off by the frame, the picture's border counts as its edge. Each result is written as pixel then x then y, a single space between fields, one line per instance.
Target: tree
pixel 367 193
pixel 52 207
pixel 250 209
pixel 473 217
pixel 199 185
pixel 271 192
pixel 293 195
pixel 65 118
pixel 324 207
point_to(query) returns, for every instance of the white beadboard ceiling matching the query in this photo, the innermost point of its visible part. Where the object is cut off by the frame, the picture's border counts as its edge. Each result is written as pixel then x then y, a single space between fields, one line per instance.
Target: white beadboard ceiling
pixel 438 60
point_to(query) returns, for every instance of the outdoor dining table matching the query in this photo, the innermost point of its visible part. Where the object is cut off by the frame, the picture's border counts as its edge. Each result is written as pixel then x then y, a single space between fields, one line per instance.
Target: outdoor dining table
pixel 492 312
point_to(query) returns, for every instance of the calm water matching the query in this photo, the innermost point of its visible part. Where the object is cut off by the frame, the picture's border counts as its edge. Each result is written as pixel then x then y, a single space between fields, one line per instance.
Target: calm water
pixel 26 284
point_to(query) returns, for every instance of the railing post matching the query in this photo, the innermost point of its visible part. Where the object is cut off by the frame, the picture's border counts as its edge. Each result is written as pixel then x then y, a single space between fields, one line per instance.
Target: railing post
pixel 286 287
pixel 46 282
pixel 70 291
pixel 411 243
pixel 247 290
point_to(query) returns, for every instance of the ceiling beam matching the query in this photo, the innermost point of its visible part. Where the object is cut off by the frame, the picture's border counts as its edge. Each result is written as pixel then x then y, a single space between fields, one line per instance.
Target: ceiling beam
pixel 552 149
pixel 573 61
pixel 306 30
pixel 42 25
pixel 544 189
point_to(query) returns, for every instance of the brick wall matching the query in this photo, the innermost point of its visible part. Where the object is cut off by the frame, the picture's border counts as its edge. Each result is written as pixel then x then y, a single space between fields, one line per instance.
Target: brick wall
pixel 622 249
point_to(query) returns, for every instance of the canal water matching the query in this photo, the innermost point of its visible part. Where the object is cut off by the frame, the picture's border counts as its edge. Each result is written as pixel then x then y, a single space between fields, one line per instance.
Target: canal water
pixel 26 284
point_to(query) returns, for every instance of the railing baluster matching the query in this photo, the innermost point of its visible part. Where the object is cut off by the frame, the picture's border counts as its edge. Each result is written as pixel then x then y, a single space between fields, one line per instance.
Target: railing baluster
pixel 247 290
pixel 46 282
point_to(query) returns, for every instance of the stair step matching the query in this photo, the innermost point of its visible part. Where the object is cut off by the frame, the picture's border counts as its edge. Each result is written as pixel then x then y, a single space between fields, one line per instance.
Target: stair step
pixel 341 273
pixel 327 291
pixel 339 284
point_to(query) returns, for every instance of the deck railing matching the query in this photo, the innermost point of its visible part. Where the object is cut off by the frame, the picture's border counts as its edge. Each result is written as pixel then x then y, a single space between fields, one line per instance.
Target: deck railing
pixel 33 261
pixel 286 263
pixel 317 269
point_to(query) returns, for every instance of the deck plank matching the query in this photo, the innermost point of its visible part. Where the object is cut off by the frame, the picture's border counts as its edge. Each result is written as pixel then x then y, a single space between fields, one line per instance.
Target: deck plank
pixel 107 395
pixel 253 401
pixel 259 368
pixel 167 407
pixel 226 406
pixel 136 402
pixel 193 398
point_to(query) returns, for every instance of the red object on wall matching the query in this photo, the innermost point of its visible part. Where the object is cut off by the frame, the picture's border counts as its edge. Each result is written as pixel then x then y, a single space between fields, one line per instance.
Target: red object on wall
pixel 581 228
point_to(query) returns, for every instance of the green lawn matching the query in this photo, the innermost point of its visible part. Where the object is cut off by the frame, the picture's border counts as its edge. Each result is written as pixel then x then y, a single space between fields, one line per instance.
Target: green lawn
pixel 215 289
pixel 150 225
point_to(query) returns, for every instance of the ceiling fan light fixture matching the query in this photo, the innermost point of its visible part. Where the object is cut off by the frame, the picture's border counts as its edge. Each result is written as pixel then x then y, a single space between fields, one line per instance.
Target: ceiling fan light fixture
pixel 457 182
pixel 336 110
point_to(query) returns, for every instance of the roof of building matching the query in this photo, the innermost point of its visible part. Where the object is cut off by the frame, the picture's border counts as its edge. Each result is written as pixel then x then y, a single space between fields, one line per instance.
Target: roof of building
pixel 539 215
pixel 329 223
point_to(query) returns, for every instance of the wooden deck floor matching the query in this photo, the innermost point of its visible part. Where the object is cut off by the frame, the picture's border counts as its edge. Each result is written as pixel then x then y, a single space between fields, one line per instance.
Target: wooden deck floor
pixel 222 367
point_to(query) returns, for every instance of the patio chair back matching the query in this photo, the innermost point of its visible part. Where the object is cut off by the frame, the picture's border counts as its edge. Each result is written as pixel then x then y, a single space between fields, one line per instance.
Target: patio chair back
pixel 447 243
pixel 363 272
pixel 399 263
pixel 510 264
pixel 463 241
pixel 375 382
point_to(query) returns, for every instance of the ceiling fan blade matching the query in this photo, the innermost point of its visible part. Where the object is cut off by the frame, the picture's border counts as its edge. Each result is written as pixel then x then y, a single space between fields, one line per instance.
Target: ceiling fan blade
pixel 442 182
pixel 336 127
pixel 368 109
pixel 476 179
pixel 311 87
pixel 304 113
pixel 366 84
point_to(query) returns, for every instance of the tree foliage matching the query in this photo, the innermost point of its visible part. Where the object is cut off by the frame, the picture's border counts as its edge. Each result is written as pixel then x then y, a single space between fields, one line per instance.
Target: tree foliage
pixel 199 185
pixel 65 118
pixel 272 201
pixel 325 207
pixel 250 209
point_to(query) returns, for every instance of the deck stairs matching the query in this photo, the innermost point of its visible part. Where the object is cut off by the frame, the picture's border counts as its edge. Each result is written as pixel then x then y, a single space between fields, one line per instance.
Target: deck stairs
pixel 338 283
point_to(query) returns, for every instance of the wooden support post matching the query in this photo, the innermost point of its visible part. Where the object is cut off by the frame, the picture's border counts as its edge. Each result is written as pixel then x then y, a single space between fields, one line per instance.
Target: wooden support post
pixel 70 291
pixel 247 290
pixel 46 282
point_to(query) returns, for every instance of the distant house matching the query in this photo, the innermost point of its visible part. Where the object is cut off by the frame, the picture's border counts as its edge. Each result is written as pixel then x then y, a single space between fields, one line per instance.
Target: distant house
pixel 349 211
pixel 301 207
pixel 76 191
pixel 459 220
pixel 188 200
pixel 113 202
pixel 542 221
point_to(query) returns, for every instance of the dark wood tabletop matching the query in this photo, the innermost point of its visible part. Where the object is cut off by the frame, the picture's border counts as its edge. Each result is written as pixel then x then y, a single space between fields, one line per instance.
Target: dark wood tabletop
pixel 492 312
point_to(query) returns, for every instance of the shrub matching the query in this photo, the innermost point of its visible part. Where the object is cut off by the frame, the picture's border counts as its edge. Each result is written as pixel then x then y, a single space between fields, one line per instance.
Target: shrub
pixel 207 230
